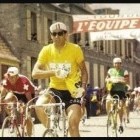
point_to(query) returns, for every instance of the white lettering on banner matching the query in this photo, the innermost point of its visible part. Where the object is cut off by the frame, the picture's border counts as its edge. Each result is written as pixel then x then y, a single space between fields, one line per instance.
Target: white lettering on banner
pixel 103 17
pixel 106 25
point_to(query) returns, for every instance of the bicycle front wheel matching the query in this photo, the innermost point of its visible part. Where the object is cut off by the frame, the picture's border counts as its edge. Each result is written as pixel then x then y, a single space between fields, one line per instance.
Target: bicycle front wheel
pixel 49 133
pixel 7 128
pixel 112 125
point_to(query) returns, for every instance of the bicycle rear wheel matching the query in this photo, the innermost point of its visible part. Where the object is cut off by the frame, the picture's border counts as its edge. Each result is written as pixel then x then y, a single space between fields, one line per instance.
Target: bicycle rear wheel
pixel 112 125
pixel 49 133
pixel 7 128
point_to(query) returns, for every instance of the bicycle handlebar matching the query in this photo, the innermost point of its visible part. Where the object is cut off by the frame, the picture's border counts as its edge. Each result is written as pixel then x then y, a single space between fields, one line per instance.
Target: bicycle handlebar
pixel 47 105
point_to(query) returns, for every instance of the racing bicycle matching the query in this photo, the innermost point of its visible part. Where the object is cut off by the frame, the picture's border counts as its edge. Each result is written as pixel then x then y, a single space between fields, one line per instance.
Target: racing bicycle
pixel 55 113
pixel 14 124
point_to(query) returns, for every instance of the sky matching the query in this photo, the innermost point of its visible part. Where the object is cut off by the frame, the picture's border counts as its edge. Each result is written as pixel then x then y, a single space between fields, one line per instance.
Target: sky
pixel 128 8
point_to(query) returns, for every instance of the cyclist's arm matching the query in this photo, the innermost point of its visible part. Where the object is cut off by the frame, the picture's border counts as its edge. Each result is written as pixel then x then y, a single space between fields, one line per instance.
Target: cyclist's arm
pixel 84 74
pixel 39 71
pixel 3 92
pixel 107 79
pixel 126 79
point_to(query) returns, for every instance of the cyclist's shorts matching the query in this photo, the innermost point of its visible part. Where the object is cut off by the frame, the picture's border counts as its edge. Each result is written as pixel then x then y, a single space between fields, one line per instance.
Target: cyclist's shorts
pixel 121 94
pixel 22 97
pixel 65 97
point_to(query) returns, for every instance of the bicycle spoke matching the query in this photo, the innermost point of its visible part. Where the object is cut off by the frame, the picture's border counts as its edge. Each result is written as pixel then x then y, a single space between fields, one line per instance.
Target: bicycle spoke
pixel 8 130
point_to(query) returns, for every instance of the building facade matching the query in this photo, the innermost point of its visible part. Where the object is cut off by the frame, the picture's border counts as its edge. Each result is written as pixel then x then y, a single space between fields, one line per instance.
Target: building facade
pixel 24 30
pixel 100 54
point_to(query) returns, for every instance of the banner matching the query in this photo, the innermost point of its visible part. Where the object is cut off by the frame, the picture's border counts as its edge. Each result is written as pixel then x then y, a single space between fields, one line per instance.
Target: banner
pixel 108 27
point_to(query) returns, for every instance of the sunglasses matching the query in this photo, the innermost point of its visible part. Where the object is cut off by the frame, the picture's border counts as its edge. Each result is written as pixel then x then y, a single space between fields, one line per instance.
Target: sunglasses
pixel 58 33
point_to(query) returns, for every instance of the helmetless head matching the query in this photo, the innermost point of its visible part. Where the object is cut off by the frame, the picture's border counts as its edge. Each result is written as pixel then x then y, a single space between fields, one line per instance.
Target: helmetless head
pixel 12 71
pixel 58 33
pixel 12 74
pixel 58 26
pixel 117 62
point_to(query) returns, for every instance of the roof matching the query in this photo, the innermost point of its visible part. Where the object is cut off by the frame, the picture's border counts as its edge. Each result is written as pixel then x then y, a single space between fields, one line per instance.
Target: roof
pixel 5 52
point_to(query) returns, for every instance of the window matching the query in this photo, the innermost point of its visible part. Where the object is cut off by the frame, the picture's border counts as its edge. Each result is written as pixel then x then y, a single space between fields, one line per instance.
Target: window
pixel 115 47
pixel 129 49
pixel 86 36
pixel 49 36
pixel 33 26
pixel 95 46
pixel 77 38
pixel 4 69
pixel 101 46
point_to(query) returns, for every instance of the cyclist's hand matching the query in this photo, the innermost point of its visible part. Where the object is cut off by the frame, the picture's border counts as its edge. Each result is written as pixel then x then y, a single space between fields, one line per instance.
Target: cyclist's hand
pixel 61 73
pixel 118 81
pixel 78 93
pixel 108 80
pixel 83 101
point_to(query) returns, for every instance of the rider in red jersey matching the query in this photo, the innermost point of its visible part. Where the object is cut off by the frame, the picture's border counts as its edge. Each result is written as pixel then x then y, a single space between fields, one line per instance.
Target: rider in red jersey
pixel 20 86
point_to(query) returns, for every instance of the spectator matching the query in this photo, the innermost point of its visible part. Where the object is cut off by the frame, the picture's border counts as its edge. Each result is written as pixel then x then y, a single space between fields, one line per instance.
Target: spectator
pixel 94 101
pixel 88 98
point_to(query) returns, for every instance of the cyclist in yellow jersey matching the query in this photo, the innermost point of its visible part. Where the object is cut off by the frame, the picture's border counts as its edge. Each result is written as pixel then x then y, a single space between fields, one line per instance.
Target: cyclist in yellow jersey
pixel 62 62
pixel 116 82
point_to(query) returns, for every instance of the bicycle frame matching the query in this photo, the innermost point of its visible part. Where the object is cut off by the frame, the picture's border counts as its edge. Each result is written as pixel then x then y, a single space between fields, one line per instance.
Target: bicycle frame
pixel 51 110
pixel 112 115
pixel 14 126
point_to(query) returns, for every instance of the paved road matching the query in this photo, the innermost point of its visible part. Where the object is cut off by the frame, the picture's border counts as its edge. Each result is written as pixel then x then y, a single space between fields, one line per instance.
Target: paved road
pixel 96 127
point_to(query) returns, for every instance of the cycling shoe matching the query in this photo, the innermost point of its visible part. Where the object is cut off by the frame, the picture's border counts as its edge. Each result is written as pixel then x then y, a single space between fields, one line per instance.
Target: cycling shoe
pixel 121 129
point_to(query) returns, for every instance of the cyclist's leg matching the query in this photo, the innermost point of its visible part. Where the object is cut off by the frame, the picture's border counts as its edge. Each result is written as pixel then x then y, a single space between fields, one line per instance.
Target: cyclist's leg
pixel 121 109
pixel 42 116
pixel 9 98
pixel 108 103
pixel 127 108
pixel 121 105
pixel 74 116
pixel 83 109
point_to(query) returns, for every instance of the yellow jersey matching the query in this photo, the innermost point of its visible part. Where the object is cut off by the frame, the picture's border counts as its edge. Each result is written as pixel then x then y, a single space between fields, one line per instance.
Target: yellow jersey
pixel 69 57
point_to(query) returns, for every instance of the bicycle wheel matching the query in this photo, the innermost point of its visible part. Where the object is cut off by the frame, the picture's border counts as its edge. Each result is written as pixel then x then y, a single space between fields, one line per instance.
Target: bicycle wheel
pixel 49 133
pixel 28 130
pixel 8 130
pixel 112 124
pixel 64 125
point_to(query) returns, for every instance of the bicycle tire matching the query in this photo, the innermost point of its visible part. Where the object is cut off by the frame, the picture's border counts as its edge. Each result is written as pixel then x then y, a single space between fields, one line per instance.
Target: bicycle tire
pixel 6 132
pixel 24 132
pixel 49 133
pixel 112 124
pixel 65 129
